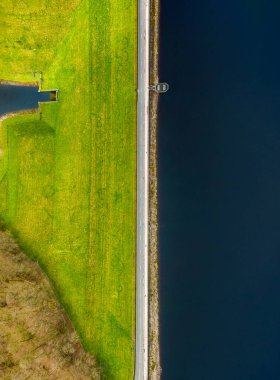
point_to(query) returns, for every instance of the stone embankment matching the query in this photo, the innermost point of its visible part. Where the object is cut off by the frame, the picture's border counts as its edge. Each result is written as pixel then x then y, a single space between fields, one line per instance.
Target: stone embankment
pixel 154 349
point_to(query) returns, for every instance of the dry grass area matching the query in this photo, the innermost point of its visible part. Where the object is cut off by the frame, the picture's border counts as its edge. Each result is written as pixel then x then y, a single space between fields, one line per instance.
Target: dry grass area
pixel 37 341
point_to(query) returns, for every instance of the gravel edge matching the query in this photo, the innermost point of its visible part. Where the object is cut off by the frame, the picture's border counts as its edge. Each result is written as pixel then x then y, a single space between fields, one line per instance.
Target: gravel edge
pixel 154 338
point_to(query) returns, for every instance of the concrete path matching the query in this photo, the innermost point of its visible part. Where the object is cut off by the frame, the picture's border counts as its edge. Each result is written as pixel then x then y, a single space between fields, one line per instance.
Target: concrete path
pixel 142 299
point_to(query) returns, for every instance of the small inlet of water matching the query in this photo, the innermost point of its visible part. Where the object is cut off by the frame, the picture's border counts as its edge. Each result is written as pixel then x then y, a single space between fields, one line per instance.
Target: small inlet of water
pixel 19 98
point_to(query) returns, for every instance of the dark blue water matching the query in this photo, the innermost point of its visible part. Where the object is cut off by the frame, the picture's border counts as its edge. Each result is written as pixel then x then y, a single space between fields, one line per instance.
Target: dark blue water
pixel 17 98
pixel 219 171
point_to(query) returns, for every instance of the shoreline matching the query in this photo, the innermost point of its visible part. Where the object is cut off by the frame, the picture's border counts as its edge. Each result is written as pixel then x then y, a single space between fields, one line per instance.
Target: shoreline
pixel 9 115
pixel 154 330
pixel 5 82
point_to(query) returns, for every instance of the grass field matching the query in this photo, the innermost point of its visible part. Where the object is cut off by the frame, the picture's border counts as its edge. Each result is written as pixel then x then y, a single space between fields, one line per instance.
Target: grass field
pixel 68 178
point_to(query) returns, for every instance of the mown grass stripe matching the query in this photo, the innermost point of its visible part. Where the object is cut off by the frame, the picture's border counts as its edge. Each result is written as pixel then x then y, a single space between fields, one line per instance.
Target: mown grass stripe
pixel 88 247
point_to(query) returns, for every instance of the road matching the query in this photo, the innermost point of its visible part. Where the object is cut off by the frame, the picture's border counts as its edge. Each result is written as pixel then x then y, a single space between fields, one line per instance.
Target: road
pixel 142 270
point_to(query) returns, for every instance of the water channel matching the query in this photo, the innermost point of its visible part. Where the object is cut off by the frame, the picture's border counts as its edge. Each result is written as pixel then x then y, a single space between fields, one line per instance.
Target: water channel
pixel 219 174
pixel 18 98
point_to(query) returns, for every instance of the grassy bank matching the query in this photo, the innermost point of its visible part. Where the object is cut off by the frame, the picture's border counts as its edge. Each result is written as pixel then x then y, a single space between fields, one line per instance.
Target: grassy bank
pixel 68 175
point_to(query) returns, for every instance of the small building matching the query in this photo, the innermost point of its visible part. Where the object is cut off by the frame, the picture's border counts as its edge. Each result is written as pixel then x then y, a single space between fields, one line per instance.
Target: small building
pixel 48 96
pixel 53 95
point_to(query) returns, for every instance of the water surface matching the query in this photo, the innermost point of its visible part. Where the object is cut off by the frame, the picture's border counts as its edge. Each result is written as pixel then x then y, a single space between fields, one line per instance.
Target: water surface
pixel 219 172
pixel 17 98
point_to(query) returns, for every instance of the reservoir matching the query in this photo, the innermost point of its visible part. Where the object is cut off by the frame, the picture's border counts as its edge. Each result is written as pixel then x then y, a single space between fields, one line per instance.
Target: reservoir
pixel 17 98
pixel 219 190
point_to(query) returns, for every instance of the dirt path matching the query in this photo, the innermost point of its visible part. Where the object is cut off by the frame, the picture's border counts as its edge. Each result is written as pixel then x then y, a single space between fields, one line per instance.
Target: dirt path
pixel 37 341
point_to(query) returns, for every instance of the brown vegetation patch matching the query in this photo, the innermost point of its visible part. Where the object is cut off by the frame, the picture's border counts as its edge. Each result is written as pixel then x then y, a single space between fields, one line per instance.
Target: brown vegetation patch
pixel 37 341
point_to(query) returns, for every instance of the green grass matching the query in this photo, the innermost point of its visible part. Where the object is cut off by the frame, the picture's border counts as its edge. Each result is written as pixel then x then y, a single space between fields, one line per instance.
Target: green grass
pixel 68 179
